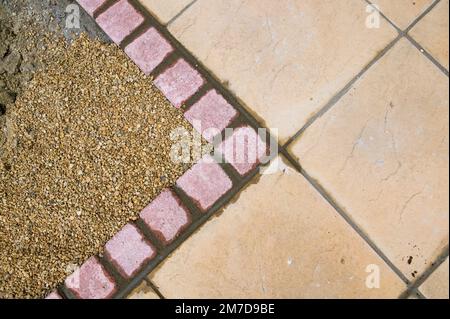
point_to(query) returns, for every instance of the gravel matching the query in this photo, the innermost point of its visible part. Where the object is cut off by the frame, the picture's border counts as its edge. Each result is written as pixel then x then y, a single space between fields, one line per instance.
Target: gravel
pixel 87 149
pixel 27 27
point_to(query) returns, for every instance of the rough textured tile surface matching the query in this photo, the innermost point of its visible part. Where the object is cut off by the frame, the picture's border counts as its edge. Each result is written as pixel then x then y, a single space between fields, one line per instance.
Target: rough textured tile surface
pixel 382 153
pixel 402 12
pixel 165 10
pixel 244 149
pixel 179 82
pixel 432 32
pixel 280 57
pixel 119 20
pixel 260 247
pixel 166 216
pixel 143 291
pixel 128 250
pixel 149 50
pixel 436 286
pixel 91 281
pixel 205 183
pixel 90 5
pixel 210 115
pixel 53 295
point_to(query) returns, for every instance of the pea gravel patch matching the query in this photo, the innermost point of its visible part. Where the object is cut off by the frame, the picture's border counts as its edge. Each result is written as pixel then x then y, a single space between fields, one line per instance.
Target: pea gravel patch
pixel 88 149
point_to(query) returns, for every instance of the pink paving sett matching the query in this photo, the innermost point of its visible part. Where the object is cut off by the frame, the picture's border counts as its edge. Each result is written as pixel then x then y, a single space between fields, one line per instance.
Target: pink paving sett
pixel 120 20
pixel 205 183
pixel 166 217
pixel 128 251
pixel 149 50
pixel 179 82
pixel 90 5
pixel 91 281
pixel 244 149
pixel 211 115
pixel 53 295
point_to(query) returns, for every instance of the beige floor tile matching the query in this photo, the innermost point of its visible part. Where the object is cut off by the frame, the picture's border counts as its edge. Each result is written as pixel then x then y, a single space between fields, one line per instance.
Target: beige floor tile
pixel 143 291
pixel 402 12
pixel 165 10
pixel 436 286
pixel 280 239
pixel 432 32
pixel 382 153
pixel 285 59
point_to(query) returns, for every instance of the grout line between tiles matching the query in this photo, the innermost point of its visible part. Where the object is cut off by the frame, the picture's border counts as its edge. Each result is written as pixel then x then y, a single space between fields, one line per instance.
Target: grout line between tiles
pixel 330 105
pixel 335 99
pixel 383 15
pixel 125 286
pixel 426 274
pixel 196 224
pixel 180 51
pixel 155 288
pixel 420 17
pixel 345 216
pixel 344 91
pixel 103 7
pixel 427 54
pixel 180 13
pixel 419 294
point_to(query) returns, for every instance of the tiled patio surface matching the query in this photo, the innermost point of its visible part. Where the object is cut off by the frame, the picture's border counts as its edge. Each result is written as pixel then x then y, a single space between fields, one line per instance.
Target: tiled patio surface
pixel 360 187
pixel 281 239
pixel 390 156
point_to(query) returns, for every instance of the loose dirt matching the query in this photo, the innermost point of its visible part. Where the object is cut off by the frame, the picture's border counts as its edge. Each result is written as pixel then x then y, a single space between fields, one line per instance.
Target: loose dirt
pixel 87 147
pixel 27 29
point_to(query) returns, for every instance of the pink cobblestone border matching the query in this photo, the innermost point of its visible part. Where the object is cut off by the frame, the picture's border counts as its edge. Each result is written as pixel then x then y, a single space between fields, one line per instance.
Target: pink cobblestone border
pixel 166 219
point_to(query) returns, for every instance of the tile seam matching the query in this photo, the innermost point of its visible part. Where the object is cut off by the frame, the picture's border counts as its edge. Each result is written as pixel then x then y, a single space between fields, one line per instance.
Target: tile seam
pixel 155 288
pixel 342 92
pixel 383 15
pixel 337 97
pixel 282 148
pixel 416 284
pixel 181 52
pixel 198 219
pixel 102 8
pixel 347 218
pixel 427 54
pixel 175 17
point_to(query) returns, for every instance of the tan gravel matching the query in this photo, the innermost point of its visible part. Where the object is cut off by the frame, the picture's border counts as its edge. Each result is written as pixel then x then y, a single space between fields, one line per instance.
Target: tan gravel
pixel 89 148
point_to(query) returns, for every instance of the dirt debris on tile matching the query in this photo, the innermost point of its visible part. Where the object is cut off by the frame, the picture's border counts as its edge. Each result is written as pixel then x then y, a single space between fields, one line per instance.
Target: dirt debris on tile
pixel 382 153
pixel 436 286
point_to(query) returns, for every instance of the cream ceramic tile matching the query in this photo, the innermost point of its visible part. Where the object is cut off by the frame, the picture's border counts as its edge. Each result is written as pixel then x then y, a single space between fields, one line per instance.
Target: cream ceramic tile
pixel 165 10
pixel 432 32
pixel 402 12
pixel 285 59
pixel 279 240
pixel 436 286
pixel 143 291
pixel 382 153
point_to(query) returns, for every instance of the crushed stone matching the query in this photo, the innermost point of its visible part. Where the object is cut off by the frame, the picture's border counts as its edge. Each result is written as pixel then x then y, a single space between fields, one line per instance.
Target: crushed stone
pixel 88 148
